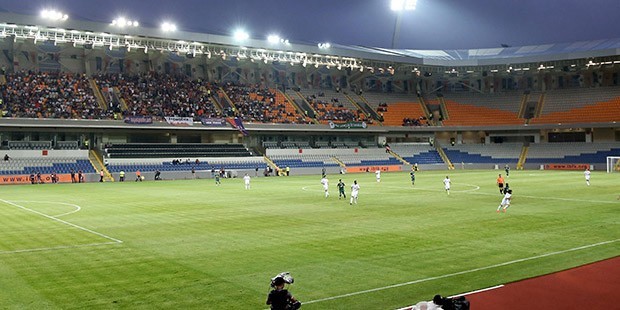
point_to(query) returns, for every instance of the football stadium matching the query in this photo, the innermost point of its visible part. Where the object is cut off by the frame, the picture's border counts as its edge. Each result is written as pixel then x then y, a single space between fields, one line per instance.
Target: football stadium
pixel 156 168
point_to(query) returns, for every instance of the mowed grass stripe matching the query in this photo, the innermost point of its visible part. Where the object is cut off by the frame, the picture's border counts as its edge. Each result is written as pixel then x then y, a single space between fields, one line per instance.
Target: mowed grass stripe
pixel 190 243
pixel 26 229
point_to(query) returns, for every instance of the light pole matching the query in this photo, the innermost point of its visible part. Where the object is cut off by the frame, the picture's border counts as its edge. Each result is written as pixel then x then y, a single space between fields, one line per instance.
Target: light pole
pixel 399 6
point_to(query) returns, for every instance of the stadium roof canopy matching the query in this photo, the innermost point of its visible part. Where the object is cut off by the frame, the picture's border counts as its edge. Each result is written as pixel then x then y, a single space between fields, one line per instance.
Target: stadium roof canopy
pixel 354 56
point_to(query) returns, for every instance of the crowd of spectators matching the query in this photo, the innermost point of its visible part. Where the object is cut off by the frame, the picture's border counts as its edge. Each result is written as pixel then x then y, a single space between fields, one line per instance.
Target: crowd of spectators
pixel 334 110
pixel 160 95
pixel 420 121
pixel 31 94
pixel 70 96
pixel 254 103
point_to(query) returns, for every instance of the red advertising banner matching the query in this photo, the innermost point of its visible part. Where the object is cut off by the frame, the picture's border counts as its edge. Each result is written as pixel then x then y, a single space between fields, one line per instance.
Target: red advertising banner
pixel 25 179
pixel 358 169
pixel 566 166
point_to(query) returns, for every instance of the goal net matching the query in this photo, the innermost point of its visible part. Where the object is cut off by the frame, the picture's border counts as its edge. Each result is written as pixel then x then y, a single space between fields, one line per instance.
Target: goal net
pixel 613 164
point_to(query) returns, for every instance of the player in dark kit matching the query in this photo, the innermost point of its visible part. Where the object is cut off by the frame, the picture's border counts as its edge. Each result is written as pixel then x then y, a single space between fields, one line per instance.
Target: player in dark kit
pixel 506 189
pixel 412 173
pixel 341 189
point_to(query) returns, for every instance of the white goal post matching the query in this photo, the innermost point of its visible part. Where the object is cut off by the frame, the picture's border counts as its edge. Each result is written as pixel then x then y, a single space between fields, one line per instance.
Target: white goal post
pixel 613 164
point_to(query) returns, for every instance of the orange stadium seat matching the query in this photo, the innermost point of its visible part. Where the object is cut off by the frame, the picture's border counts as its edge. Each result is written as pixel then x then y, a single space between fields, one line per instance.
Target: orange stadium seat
pixel 608 111
pixel 396 112
pixel 470 115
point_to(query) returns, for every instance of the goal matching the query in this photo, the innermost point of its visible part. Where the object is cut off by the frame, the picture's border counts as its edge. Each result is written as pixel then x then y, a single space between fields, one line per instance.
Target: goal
pixel 613 164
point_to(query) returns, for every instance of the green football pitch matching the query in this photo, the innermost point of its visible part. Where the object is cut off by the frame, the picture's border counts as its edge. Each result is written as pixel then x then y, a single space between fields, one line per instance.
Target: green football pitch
pixel 194 245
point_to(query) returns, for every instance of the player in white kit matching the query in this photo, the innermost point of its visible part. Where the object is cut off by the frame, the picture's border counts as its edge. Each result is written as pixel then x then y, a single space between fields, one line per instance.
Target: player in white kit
pixel 505 201
pixel 587 175
pixel 325 183
pixel 246 180
pixel 355 188
pixel 446 184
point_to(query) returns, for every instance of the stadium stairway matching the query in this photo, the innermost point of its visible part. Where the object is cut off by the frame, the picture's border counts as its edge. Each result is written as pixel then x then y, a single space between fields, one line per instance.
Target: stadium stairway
pixel 444 156
pixel 311 113
pixel 223 95
pixel 97 163
pixel 271 163
pixel 363 106
pixel 217 105
pixel 340 163
pixel 399 158
pixel 97 91
pixel 117 93
pixel 523 105
pixel 424 107
pixel 522 157
pixel 363 109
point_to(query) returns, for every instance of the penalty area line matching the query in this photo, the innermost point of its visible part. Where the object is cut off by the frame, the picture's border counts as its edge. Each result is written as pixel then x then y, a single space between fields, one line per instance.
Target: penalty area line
pixel 62 247
pixel 61 221
pixel 461 272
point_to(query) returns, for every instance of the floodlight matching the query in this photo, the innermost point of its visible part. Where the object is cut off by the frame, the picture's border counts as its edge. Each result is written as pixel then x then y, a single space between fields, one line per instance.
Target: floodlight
pixel 123 22
pixel 241 35
pixel 273 38
pixel 54 15
pixel 403 5
pixel 168 27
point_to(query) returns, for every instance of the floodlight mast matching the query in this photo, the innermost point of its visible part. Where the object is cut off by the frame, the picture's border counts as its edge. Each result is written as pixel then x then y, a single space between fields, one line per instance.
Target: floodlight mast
pixel 399 6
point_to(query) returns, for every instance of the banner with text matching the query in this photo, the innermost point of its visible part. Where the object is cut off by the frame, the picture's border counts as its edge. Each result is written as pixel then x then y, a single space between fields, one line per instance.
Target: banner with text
pixel 139 119
pixel 179 121
pixel 567 166
pixel 348 125
pixel 25 179
pixel 213 122
pixel 372 169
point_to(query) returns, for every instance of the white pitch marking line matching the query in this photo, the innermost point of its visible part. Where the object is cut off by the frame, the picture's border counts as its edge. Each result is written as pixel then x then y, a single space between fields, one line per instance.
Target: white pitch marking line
pixel 461 272
pixel 64 222
pixel 77 208
pixel 464 294
pixel 553 198
pixel 479 291
pixel 57 248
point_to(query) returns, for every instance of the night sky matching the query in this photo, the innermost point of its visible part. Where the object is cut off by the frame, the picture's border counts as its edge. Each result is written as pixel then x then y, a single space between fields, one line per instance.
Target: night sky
pixel 435 24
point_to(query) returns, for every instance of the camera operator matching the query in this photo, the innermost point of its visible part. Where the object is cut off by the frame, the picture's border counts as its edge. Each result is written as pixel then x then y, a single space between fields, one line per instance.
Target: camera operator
pixel 280 298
